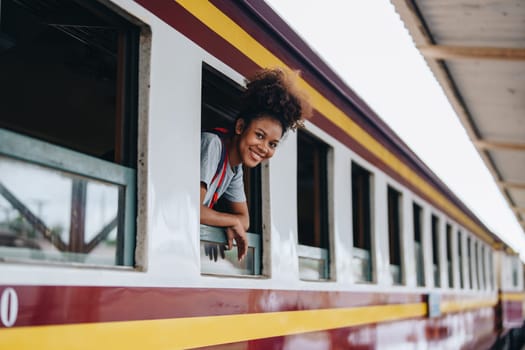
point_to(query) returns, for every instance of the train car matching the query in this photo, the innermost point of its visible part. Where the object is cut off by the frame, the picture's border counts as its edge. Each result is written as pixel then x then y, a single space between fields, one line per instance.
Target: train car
pixel 354 243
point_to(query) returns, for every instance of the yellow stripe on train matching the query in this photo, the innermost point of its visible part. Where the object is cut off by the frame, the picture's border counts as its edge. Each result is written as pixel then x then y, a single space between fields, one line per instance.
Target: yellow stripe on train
pixel 191 332
pixel 463 305
pixel 221 24
pixel 512 296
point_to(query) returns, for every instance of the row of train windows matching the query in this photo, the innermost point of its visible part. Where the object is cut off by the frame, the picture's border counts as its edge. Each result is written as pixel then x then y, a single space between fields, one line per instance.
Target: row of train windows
pixel 220 94
pixel 68 187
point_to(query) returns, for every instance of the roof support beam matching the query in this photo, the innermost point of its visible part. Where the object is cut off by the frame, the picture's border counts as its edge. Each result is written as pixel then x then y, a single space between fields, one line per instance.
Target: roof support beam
pixel 486 144
pixel 444 52
pixel 518 210
pixel 507 184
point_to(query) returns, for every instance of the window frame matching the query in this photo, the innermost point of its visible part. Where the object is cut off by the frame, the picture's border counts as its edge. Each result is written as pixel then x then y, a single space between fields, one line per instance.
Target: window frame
pixel 323 252
pixel 483 256
pixel 435 233
pixel 395 234
pixel 128 166
pixel 420 268
pixel 360 251
pixel 449 253
pixel 260 174
pixel 469 263
pixel 461 259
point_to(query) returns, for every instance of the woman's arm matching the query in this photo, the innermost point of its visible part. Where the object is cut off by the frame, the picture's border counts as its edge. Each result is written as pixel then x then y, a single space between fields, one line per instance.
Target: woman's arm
pixel 236 223
pixel 240 209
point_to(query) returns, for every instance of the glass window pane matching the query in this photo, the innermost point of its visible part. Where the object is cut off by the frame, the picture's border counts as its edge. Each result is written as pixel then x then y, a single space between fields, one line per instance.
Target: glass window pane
pixel 53 215
pixel 418 251
pixel 311 269
pixel 361 265
pixel 215 259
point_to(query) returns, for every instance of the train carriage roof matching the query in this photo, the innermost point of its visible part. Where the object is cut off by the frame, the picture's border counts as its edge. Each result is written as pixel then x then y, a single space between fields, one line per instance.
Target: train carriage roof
pixel 476 50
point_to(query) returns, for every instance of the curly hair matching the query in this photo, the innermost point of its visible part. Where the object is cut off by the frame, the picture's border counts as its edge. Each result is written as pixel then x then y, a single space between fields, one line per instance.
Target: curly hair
pixel 274 92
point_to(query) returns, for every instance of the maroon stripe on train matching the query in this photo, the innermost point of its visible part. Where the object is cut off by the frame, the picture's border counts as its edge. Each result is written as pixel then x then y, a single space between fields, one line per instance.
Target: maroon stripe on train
pixel 47 305
pixel 512 313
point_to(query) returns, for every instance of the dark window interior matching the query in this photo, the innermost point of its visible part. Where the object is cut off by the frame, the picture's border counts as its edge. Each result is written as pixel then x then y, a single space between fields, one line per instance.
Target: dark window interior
pixel 418 229
pixel 469 264
pixel 312 190
pixel 361 207
pixel 491 270
pixel 69 76
pixel 417 222
pixel 449 255
pixel 435 250
pixel 394 226
pixel 483 268
pixel 220 108
pixel 460 261
pixel 476 265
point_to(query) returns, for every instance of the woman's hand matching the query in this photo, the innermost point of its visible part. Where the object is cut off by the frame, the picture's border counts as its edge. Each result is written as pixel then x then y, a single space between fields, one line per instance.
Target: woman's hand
pixel 238 234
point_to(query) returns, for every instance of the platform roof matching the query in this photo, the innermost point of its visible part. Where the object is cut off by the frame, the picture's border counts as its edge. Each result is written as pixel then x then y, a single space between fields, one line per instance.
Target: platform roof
pixel 476 50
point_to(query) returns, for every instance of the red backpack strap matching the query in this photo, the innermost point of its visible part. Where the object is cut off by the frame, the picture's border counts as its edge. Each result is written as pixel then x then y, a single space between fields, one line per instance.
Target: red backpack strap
pixel 221 167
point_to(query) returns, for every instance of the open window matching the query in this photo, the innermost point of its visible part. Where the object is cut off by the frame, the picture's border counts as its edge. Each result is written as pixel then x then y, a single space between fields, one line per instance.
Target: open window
pixel 362 223
pixel 515 266
pixel 418 244
pixel 484 267
pixel 435 251
pixel 312 207
pixel 470 278
pixel 492 281
pixel 461 254
pixel 477 265
pixel 450 265
pixel 220 105
pixel 68 131
pixel 394 234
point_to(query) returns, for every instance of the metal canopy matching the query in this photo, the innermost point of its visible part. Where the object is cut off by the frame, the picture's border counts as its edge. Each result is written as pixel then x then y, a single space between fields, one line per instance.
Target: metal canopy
pixel 476 50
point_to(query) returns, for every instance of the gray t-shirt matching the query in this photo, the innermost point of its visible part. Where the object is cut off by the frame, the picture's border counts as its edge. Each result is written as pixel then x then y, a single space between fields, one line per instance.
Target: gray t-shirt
pixel 232 186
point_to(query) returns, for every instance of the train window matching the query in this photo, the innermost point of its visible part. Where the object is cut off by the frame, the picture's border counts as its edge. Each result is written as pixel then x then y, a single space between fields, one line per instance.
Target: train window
pixel 491 270
pixel 220 104
pixel 418 244
pixel 361 223
pixel 68 125
pixel 483 267
pixel 394 234
pixel 461 251
pixel 312 207
pixel 435 251
pixel 469 264
pixel 477 265
pixel 515 270
pixel 448 229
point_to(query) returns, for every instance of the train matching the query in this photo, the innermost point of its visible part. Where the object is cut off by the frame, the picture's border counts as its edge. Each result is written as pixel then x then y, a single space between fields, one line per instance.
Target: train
pixel 354 242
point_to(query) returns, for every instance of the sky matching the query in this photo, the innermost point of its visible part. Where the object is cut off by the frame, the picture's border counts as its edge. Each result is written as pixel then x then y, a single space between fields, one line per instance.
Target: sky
pixel 367 45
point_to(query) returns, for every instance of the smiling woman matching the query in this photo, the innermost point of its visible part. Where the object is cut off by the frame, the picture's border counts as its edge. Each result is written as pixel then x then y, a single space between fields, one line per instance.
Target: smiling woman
pixel 270 106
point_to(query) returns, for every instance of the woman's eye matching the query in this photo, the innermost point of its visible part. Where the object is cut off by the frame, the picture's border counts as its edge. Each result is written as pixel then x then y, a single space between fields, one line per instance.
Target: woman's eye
pixel 273 145
pixel 259 136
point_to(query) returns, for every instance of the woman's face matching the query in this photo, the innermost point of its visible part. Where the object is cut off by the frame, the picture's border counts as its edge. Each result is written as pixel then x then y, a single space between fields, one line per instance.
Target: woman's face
pixel 258 140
